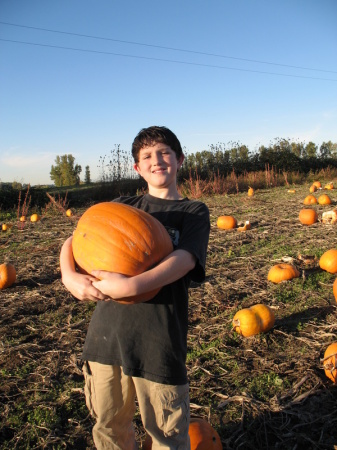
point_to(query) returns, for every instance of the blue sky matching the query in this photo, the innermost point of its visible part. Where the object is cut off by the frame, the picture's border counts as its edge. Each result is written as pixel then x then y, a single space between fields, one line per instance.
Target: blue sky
pixel 213 71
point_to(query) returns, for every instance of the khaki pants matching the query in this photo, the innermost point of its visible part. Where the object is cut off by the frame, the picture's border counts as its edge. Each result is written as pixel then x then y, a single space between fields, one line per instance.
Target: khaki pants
pixel 110 397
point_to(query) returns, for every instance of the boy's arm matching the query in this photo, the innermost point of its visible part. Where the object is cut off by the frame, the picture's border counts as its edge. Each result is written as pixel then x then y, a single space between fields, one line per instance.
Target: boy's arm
pixel 78 284
pixel 174 266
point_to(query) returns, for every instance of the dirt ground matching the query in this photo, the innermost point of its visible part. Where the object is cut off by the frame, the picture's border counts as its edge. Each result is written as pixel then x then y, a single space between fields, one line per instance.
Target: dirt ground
pixel 264 392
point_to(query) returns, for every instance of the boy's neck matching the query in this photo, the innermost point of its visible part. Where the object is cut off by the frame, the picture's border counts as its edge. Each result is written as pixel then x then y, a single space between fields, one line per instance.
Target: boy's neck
pixel 165 194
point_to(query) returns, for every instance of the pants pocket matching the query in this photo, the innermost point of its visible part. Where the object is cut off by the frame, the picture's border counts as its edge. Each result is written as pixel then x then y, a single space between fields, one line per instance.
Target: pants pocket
pixel 89 390
pixel 175 411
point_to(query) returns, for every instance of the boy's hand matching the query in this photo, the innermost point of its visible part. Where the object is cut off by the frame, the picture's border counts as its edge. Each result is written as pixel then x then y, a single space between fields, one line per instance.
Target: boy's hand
pixel 113 285
pixel 81 286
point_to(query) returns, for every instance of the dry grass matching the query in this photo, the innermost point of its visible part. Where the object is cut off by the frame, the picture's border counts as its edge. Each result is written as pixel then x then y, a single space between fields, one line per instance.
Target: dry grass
pixel 264 392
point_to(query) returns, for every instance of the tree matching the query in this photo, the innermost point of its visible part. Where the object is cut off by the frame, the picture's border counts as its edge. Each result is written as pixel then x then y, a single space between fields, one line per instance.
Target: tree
pixel 87 179
pixel 328 149
pixel 311 150
pixel 65 173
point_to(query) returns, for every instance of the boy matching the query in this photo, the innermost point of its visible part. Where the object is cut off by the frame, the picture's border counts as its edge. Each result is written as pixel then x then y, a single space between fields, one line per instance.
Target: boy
pixel 140 349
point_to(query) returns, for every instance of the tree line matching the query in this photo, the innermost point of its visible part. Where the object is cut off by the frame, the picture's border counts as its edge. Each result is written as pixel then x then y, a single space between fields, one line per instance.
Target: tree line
pixel 283 155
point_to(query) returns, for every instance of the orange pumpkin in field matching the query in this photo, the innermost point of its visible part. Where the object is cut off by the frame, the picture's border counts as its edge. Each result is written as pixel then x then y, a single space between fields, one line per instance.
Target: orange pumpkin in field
pixel 310 200
pixel 257 319
pixel 251 192
pixel 328 261
pixel 329 186
pixel 35 218
pixel 7 275
pixel 324 199
pixel 120 238
pixel 202 436
pixel 226 222
pixel 330 363
pixel 318 184
pixel 308 216
pixel 312 189
pixel 282 272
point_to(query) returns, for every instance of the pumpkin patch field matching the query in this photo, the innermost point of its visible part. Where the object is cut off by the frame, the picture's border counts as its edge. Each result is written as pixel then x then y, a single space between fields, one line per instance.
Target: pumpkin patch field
pixel 262 380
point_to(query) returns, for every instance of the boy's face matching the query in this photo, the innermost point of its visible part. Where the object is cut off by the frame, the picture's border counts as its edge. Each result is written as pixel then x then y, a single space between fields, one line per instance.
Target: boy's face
pixel 158 165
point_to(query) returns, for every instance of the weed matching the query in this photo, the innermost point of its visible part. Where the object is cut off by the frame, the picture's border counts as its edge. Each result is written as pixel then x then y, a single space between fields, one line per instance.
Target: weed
pixel 267 385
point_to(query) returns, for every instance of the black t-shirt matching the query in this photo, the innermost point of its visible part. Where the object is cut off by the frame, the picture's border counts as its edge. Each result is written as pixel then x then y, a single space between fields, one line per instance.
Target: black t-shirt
pixel 149 339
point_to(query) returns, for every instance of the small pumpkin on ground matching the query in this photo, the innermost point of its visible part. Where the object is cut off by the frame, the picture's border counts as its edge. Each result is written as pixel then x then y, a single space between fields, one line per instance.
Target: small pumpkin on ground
pixel 7 275
pixel 282 272
pixel 35 218
pixel 328 261
pixel 291 191
pixel 329 362
pixel 251 192
pixel 257 319
pixel 23 219
pixel 329 186
pixel 69 212
pixel 308 216
pixel 4 227
pixel 310 200
pixel 318 184
pixel 202 436
pixel 324 199
pixel 266 315
pixel 120 238
pixel 226 222
pixel 312 189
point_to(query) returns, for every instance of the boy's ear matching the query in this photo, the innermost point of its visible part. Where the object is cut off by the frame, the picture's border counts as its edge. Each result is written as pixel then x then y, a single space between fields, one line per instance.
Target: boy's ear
pixel 137 169
pixel 181 160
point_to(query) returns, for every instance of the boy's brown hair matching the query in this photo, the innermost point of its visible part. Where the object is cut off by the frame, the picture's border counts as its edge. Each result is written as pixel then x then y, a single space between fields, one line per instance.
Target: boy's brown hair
pixel 155 135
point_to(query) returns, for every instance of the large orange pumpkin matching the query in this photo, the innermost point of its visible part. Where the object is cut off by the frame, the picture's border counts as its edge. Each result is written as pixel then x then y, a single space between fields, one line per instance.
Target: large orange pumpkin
pixel 120 238
pixel 330 363
pixel 324 199
pixel 282 272
pixel 328 261
pixel 226 222
pixel 310 200
pixel 202 436
pixel 308 216
pixel 7 275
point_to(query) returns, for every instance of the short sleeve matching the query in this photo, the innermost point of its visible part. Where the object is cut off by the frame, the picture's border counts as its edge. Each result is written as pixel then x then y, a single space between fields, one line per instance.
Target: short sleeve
pixel 194 237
